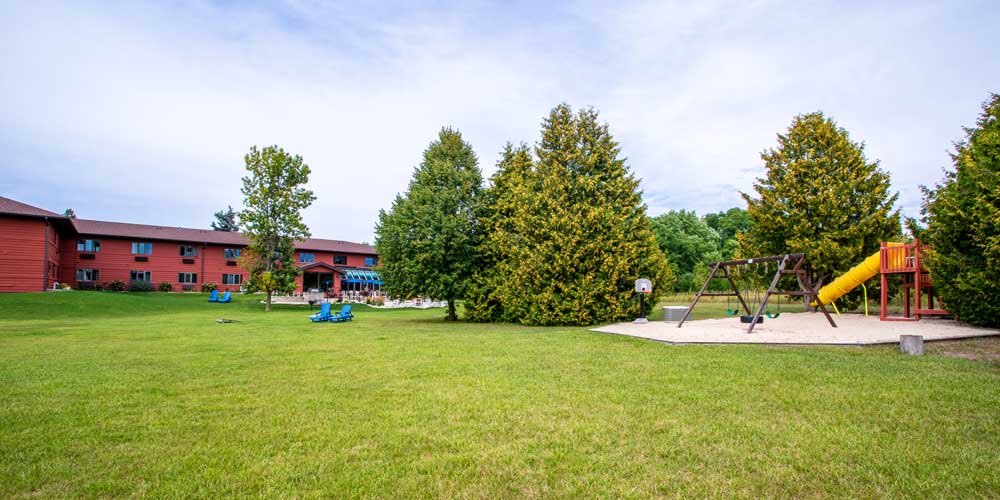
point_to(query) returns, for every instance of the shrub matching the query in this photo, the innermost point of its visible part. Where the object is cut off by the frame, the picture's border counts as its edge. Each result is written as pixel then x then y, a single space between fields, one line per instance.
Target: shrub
pixel 140 286
pixel 116 286
pixel 166 286
pixel 375 301
pixel 963 215
pixel 208 287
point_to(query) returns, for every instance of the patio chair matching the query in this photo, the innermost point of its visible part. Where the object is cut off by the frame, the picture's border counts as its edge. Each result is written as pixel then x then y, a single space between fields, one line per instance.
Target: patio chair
pixel 323 314
pixel 226 297
pixel 214 296
pixel 343 315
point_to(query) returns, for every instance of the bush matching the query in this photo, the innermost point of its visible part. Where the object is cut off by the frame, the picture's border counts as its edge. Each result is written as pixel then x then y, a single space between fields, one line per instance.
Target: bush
pixel 208 287
pixel 375 301
pixel 166 286
pixel 116 286
pixel 140 286
pixel 963 215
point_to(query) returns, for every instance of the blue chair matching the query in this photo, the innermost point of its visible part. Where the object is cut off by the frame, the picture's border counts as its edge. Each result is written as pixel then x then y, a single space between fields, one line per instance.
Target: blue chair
pixel 226 297
pixel 214 296
pixel 343 315
pixel 323 314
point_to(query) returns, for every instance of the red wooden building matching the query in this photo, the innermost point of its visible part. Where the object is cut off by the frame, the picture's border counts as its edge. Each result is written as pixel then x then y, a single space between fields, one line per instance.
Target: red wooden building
pixel 43 248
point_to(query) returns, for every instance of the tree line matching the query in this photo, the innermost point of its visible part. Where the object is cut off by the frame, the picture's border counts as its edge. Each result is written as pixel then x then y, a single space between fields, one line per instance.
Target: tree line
pixel 559 233
pixel 556 237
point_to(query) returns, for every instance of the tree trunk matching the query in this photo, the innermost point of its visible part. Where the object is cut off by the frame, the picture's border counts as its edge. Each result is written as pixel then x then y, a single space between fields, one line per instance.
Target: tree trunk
pixel 451 310
pixel 267 305
pixel 816 286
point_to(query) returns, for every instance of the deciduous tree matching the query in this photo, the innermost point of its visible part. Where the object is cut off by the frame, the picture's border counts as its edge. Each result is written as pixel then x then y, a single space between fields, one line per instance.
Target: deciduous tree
pixel 275 195
pixel 690 243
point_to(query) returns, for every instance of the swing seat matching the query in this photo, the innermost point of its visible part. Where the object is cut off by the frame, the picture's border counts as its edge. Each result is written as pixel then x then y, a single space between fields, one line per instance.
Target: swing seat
pixel 772 316
pixel 732 312
pixel 749 319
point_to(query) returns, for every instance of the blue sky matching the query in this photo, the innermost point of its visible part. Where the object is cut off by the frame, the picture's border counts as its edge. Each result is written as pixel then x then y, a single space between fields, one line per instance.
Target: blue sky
pixel 142 112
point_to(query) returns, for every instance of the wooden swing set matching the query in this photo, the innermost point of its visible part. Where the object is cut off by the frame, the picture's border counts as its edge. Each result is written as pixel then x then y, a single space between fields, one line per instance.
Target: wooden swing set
pixel 788 264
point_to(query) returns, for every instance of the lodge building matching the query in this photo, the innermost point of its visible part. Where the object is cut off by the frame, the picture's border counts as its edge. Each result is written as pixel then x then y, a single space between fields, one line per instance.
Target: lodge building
pixel 43 249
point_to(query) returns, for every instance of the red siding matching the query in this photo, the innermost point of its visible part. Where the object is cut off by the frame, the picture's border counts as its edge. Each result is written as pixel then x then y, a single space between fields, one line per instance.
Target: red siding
pixel 115 261
pixel 22 255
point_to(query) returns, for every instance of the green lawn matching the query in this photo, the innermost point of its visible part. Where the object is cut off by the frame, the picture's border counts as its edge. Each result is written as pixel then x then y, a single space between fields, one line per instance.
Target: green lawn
pixel 131 395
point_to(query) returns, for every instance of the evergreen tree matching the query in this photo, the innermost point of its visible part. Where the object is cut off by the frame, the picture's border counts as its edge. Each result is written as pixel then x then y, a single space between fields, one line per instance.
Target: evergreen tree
pixel 822 197
pixel 225 220
pixel 69 213
pixel 576 237
pixel 274 199
pixel 963 215
pixel 428 241
pixel 497 211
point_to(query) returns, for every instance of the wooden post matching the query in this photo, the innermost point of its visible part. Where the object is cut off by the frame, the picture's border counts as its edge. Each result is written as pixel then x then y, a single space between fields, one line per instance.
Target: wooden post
pixel 697 297
pixel 911 344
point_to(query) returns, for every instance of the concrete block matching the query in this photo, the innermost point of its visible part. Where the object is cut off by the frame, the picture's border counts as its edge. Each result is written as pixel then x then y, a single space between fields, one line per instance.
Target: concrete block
pixel 911 344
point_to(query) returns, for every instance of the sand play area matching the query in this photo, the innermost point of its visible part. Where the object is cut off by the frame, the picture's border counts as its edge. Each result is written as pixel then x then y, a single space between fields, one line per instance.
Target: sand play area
pixel 798 328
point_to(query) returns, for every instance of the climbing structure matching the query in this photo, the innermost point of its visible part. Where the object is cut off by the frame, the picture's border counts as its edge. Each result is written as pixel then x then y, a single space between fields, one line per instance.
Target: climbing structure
pixel 907 260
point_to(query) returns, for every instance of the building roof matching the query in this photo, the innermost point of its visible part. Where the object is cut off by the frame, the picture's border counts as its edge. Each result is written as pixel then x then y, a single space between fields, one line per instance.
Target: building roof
pixel 9 206
pixel 147 232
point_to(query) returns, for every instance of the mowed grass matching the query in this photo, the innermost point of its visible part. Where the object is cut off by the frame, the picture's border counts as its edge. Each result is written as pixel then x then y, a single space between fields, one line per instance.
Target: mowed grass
pixel 145 395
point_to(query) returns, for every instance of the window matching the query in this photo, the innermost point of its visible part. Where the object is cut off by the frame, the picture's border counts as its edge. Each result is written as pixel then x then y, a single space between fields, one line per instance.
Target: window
pixel 140 276
pixel 231 253
pixel 142 248
pixel 232 279
pixel 87 275
pixel 187 277
pixel 307 257
pixel 88 245
pixel 340 259
pixel 371 261
pixel 189 251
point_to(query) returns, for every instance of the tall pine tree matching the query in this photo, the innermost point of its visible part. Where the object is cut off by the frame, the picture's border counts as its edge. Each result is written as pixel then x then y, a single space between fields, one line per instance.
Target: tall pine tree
pixel 822 197
pixel 963 215
pixel 428 241
pixel 496 212
pixel 225 220
pixel 574 235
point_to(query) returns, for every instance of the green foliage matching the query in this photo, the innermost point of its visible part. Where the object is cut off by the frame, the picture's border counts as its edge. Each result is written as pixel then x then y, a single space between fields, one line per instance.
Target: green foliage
pixel 690 243
pixel 225 220
pixel 428 241
pixel 116 285
pixel 166 286
pixel 140 286
pixel 274 197
pixel 729 224
pixel 69 213
pixel 497 211
pixel 963 215
pixel 567 230
pixel 208 287
pixel 822 197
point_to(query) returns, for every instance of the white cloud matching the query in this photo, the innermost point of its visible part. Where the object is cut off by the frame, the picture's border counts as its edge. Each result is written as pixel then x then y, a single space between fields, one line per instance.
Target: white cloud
pixel 105 109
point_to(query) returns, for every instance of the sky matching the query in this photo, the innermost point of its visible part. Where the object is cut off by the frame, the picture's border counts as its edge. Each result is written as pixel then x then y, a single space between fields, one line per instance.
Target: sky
pixel 142 112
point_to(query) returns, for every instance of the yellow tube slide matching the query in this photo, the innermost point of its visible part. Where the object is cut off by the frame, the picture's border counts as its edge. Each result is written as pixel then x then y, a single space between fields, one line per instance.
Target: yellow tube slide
pixel 853 278
pixel 849 280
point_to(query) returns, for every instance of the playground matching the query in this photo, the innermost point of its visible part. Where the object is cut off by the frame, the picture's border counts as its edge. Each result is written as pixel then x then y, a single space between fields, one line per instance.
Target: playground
pixel 799 329
pixel 754 286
